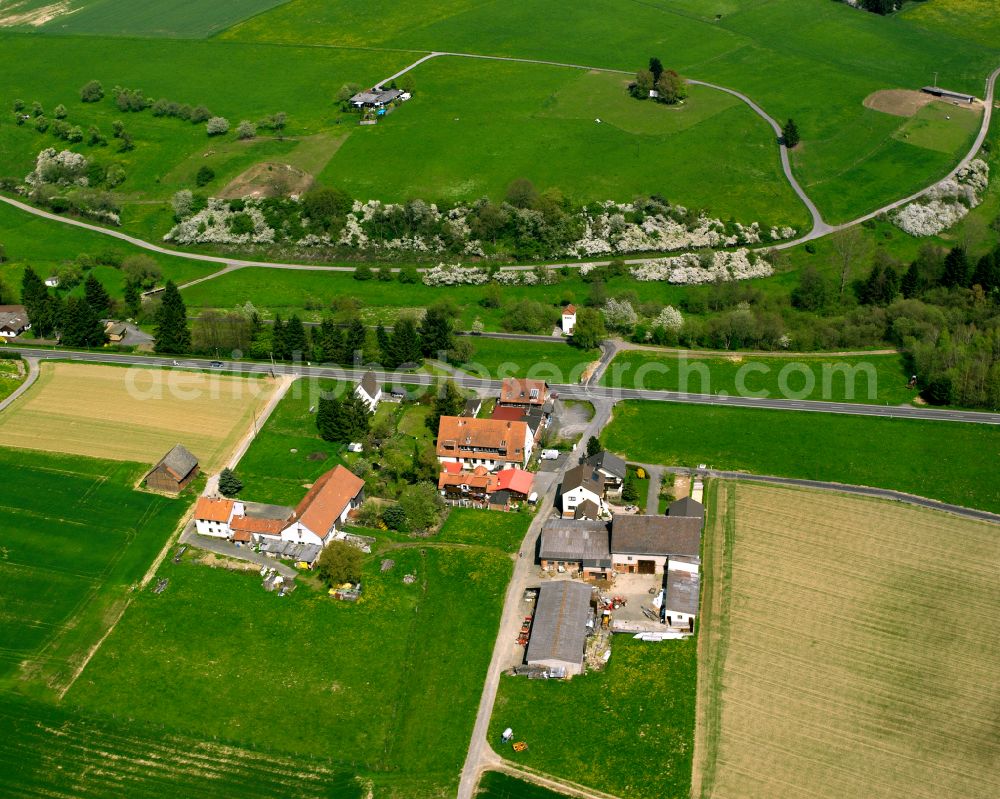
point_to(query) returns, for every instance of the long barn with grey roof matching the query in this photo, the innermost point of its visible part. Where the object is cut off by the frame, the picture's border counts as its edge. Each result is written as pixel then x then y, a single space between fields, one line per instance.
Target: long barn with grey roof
pixel 576 545
pixel 559 630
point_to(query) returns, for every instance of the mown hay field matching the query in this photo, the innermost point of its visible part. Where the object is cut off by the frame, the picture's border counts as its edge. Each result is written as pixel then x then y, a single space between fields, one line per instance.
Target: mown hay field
pixel 134 414
pixel 851 650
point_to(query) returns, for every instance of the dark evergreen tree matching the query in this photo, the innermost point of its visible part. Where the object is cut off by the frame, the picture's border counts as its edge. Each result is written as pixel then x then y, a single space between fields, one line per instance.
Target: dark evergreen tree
pixel 279 342
pixel 812 293
pixel 593 446
pixel 133 299
pixel 296 344
pixel 39 304
pixel 956 268
pixel 96 295
pixel 656 68
pixel 881 286
pixel 436 335
pixel 80 326
pixel 448 402
pixel 404 345
pixel 172 333
pixel 229 484
pixel 790 134
pixel 354 341
pixel 382 337
pixel 910 284
pixel 329 342
pixel 987 274
pixel 328 418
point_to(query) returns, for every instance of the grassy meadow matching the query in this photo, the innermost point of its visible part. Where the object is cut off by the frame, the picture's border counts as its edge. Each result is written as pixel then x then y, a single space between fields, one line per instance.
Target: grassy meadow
pixel 76 539
pixel 555 363
pixel 878 688
pixel 134 414
pixel 950 461
pixel 632 724
pixel 12 374
pixel 369 676
pixel 874 379
pixel 814 61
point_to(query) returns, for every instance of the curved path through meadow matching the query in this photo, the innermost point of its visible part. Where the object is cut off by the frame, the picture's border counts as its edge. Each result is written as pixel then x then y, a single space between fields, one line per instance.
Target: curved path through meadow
pixel 820 227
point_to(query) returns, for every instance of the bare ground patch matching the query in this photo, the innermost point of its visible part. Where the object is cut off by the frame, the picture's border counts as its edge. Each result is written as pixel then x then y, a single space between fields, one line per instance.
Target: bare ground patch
pixel 268 179
pixel 22 14
pixel 906 102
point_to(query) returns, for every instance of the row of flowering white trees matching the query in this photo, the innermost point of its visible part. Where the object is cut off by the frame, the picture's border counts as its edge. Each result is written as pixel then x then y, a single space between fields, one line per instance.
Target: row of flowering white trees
pixel 946 203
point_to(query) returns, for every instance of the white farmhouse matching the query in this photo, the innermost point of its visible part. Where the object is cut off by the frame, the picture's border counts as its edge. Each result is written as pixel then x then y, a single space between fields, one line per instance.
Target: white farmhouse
pixel 568 320
pixel 213 516
pixel 324 509
pixel 583 493
pixel 369 390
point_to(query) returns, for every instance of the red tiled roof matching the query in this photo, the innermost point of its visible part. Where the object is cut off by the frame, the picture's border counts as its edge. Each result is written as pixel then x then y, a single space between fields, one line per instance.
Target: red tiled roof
pixel 251 525
pixel 516 480
pixel 481 481
pixel 569 309
pixel 517 389
pixel 213 509
pixel 326 500
pixel 507 414
pixel 452 467
pixel 463 437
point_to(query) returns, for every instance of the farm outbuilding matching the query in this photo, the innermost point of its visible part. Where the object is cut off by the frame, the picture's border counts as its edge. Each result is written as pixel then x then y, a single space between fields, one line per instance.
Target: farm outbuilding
pixel 559 630
pixel 174 471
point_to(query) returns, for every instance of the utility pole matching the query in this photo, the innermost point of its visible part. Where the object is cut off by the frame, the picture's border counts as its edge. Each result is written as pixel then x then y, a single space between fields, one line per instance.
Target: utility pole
pixel 935 80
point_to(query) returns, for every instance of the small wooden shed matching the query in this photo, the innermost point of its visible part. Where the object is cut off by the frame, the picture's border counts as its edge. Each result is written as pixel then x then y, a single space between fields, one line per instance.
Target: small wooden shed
pixel 174 471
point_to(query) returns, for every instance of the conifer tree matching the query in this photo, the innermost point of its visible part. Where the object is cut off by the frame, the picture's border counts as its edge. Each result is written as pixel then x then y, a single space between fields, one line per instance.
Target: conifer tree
pixel 790 134
pixel 96 295
pixel 172 333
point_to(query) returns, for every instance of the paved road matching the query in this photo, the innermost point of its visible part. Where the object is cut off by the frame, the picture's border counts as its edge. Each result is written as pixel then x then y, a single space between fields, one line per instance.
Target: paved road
pixel 481 754
pixel 846 488
pixel 589 393
pixel 653 494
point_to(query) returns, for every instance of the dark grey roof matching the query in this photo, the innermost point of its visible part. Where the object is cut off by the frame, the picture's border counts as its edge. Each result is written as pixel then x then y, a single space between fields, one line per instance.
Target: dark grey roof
pixel 656 535
pixel 682 592
pixel 687 507
pixel 583 476
pixel 178 461
pixel 559 629
pixel 369 384
pixel 609 462
pixel 472 406
pixel 572 540
pixel 587 510
pixel 261 510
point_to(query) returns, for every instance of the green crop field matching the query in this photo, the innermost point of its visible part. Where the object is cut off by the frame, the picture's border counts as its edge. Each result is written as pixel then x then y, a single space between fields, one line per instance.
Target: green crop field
pixel 495 785
pixel 628 730
pixel 874 379
pixel 76 537
pixel 54 751
pixel 370 676
pixel 949 461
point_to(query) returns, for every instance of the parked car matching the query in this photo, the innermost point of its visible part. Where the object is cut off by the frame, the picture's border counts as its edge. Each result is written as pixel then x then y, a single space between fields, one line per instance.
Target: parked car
pixel 549 454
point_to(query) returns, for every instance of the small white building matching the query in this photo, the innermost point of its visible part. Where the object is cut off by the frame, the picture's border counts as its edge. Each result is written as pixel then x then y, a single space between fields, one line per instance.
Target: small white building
pixel 568 320
pixel 581 485
pixel 369 390
pixel 52 282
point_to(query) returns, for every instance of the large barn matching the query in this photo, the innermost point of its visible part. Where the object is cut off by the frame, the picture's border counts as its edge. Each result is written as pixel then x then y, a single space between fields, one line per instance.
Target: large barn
pixel 174 471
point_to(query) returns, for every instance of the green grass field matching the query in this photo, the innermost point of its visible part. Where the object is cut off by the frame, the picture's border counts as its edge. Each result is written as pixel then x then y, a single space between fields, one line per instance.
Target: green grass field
pixel 850 159
pixel 56 751
pixel 949 461
pixel 172 18
pixel 368 676
pixel 503 531
pixel 556 362
pixel 76 538
pixel 12 374
pixel 628 730
pixel 498 121
pixel 874 379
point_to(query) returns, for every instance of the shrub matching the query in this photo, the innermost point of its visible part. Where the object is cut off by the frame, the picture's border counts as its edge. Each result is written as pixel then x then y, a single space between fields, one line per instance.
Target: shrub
pixel 59 112
pixel 395 518
pixel 205 176
pixel 339 563
pixel 92 92
pixel 217 126
pixel 246 130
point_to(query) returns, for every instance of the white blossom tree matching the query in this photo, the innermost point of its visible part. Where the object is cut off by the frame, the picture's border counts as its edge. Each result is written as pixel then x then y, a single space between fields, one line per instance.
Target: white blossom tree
pixel 620 315
pixel 216 126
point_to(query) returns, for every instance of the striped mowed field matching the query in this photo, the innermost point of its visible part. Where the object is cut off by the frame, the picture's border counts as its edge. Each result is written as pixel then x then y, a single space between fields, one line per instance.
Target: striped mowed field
pixel 849 647
pixel 134 414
